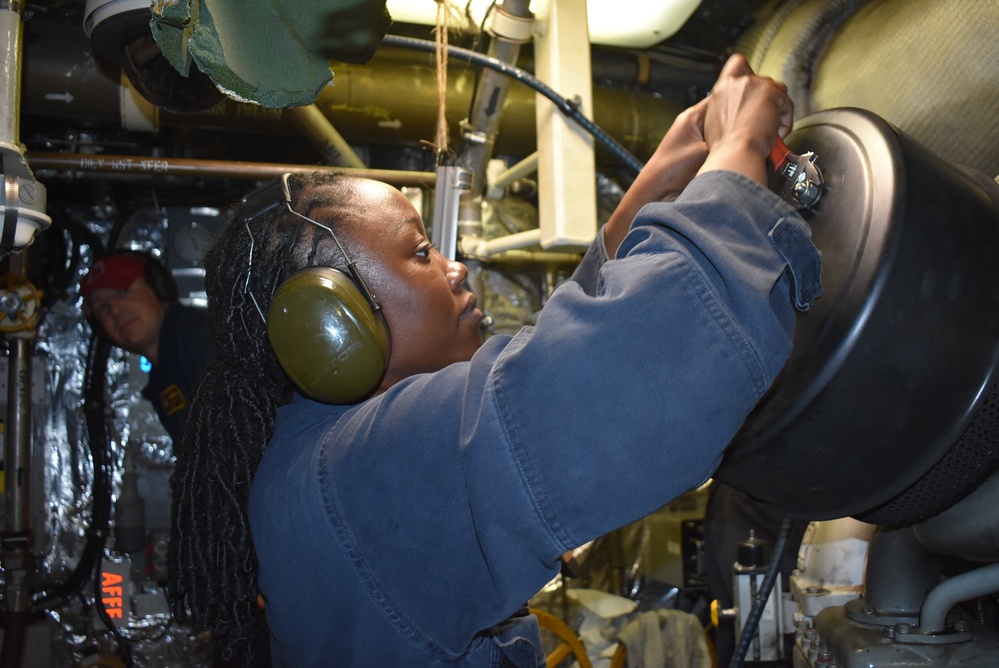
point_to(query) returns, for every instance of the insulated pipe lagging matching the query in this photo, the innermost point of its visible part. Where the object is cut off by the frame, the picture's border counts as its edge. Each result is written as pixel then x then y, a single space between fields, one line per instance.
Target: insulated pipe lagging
pixel 950 592
pixel 11 35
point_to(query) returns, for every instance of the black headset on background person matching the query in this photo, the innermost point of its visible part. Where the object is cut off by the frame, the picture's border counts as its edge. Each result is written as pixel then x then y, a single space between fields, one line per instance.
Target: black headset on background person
pixel 158 278
pixel 326 328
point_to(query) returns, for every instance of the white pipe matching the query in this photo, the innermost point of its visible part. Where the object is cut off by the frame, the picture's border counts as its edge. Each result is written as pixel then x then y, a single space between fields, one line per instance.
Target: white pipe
pixel 510 242
pixel 525 167
pixel 320 130
pixel 11 34
pixel 22 200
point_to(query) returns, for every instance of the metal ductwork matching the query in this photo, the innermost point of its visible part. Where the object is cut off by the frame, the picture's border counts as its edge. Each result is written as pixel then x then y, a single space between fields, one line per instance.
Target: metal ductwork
pixel 119 32
pixel 925 66
pixel 391 100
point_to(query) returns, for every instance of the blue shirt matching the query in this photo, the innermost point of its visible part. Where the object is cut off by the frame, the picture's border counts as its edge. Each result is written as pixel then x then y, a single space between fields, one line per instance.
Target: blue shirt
pixel 394 532
pixel 185 351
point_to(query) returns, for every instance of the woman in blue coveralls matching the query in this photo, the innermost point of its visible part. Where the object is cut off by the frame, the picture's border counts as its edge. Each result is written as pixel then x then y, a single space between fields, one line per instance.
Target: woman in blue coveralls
pixel 409 527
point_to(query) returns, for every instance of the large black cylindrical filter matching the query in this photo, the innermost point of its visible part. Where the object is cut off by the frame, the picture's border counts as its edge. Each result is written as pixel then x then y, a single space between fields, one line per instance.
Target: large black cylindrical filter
pixel 886 409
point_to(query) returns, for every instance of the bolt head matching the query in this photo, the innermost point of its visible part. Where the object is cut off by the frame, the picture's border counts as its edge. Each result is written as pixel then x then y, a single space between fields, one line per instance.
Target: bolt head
pixel 807 192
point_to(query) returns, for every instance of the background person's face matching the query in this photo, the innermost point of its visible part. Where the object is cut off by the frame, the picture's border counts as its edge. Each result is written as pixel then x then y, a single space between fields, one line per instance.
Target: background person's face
pixel 432 318
pixel 131 318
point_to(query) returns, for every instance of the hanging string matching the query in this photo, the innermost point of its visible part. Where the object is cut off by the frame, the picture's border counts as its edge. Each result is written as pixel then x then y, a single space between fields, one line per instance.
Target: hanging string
pixel 440 39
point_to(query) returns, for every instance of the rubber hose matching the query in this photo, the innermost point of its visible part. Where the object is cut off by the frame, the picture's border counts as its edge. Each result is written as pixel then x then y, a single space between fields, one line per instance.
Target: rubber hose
pixel 568 108
pixel 756 612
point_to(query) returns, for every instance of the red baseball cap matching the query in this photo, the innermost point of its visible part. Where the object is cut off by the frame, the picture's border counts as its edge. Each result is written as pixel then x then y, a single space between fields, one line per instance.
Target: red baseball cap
pixel 116 272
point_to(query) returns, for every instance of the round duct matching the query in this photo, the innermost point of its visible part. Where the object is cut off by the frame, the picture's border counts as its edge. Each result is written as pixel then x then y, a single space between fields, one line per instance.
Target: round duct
pixel 886 409
pixel 119 31
pixel 933 74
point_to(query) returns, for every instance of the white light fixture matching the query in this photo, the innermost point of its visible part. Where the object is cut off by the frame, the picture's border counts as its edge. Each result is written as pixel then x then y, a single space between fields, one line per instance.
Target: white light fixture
pixel 637 24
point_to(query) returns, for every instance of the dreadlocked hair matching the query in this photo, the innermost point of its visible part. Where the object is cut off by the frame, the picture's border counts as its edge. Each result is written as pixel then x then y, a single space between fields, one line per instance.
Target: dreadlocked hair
pixel 212 564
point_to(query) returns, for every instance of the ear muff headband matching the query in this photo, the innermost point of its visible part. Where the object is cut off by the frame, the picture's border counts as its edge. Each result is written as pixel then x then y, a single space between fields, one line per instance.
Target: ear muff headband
pixel 326 328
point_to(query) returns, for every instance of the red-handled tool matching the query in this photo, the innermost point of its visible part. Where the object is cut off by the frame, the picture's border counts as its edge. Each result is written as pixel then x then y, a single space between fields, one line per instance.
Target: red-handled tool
pixel 779 154
pixel 796 178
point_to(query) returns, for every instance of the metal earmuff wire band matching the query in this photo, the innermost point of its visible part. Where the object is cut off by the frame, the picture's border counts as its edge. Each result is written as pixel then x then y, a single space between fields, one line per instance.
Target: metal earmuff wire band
pixel 259 202
pixel 249 272
pixel 351 265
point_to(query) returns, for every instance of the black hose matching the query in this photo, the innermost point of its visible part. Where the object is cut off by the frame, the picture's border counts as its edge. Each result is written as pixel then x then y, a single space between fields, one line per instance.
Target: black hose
pixel 567 107
pixel 15 628
pixel 756 612
pixel 124 646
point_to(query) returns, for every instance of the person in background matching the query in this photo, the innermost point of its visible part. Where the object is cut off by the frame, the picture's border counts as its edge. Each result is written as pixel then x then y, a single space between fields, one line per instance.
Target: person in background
pixel 408 524
pixel 131 300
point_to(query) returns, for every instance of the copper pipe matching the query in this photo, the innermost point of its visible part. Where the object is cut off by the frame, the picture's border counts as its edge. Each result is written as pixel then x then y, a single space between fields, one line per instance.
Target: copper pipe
pixel 145 165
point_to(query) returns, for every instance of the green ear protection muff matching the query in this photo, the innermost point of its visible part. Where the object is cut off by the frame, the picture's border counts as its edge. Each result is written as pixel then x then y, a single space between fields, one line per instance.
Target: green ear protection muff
pixel 326 328
pixel 327 337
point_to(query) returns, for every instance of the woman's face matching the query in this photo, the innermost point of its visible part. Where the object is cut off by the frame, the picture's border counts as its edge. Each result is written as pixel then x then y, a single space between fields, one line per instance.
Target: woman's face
pixel 432 318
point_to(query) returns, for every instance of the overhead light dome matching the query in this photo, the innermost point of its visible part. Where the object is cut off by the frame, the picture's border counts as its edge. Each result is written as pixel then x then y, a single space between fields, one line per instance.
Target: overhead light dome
pixel 637 24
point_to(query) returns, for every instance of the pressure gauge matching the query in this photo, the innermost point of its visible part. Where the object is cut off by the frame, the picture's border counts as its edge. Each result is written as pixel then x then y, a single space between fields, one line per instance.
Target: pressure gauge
pixel 190 242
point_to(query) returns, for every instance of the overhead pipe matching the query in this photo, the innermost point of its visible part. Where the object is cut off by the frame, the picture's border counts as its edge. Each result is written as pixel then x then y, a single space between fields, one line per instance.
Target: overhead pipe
pixel 79 164
pixel 476 246
pixel 521 170
pixel 511 26
pixel 332 145
pixel 390 100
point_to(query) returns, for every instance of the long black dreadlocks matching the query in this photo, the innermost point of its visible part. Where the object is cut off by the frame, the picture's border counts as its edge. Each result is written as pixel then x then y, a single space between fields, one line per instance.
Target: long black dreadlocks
pixel 212 564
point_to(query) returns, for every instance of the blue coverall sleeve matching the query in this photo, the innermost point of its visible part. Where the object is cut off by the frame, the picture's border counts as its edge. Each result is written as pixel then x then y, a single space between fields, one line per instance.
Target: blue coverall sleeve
pixel 614 404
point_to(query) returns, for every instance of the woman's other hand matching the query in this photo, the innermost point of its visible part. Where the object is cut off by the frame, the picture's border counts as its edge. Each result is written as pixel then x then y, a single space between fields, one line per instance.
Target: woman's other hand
pixel 675 162
pixel 745 115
